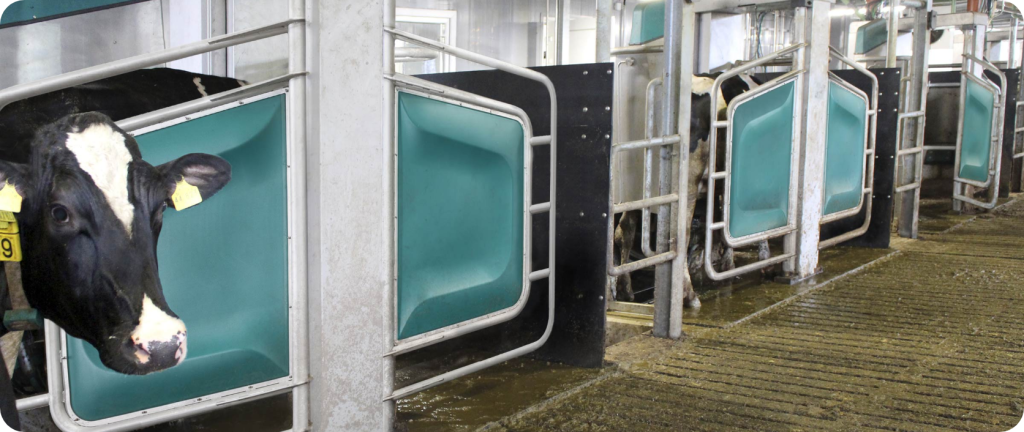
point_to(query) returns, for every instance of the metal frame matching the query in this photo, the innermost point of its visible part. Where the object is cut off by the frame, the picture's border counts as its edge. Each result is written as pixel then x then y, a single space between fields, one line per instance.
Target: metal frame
pixel 419 87
pixel 869 153
pixel 911 108
pixel 995 151
pixel 392 80
pixel 796 75
pixel 297 382
pixel 64 412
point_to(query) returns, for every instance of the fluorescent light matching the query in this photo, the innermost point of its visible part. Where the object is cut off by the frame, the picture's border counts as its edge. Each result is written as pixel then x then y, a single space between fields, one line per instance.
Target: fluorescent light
pixel 899 9
pixel 862 11
pixel 841 12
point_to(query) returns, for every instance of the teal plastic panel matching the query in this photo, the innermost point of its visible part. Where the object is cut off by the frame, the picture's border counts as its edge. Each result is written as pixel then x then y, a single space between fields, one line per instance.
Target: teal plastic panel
pixel 31 10
pixel 762 144
pixel 871 35
pixel 224 269
pixel 460 214
pixel 648 22
pixel 976 144
pixel 844 150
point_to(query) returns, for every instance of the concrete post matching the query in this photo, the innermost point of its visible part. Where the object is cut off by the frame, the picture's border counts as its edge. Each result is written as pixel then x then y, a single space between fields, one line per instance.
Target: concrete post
pixel 346 192
pixel 814 90
pixel 909 202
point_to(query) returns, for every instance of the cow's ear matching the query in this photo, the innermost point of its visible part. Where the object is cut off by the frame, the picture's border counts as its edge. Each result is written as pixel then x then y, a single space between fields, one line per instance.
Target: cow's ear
pixel 194 178
pixel 14 185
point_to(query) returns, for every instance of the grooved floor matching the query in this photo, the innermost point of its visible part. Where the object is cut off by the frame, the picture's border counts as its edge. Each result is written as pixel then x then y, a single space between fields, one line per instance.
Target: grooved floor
pixel 929 339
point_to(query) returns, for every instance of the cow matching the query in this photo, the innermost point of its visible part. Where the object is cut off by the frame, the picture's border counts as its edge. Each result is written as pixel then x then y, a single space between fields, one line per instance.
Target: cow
pixel 93 208
pixel 700 127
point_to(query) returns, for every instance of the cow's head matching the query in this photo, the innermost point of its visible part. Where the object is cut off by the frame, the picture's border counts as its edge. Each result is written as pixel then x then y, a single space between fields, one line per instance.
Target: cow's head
pixel 90 221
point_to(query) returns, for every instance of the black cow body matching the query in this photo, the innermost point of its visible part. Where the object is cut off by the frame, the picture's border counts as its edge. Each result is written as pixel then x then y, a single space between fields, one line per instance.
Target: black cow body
pixel 700 128
pixel 118 97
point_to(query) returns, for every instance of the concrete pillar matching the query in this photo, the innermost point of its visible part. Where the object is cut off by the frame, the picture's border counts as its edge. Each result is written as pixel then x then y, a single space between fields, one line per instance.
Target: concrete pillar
pixel 604 31
pixel 814 88
pixel 346 181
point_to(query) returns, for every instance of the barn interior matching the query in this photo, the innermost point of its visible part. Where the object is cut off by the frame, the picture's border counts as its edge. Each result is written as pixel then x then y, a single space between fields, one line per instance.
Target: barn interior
pixel 467 214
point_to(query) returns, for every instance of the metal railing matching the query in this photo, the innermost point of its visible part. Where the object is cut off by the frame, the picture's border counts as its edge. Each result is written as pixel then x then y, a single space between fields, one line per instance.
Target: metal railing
pixel 868 166
pixel 715 175
pixel 298 378
pixel 395 347
pixel 995 150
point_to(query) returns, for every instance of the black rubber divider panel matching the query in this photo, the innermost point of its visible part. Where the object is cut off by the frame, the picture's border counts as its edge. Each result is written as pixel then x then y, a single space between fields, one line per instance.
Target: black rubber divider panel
pixel 1007 179
pixel 885 159
pixel 584 129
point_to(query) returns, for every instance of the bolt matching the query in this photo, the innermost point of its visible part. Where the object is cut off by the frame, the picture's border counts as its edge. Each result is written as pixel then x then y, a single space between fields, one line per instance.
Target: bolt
pixel 585 72
pixel 585 109
pixel 609 72
pixel 607 108
pixel 584 136
pixel 604 214
pixel 581 214
pixel 606 136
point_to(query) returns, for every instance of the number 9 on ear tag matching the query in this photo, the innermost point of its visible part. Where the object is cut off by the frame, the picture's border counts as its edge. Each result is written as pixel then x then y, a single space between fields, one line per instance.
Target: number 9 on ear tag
pixel 185 195
pixel 10 239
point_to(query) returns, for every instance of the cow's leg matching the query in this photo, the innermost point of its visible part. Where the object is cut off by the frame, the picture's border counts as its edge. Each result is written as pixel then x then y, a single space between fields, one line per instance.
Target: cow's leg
pixel 728 259
pixel 698 164
pixel 625 233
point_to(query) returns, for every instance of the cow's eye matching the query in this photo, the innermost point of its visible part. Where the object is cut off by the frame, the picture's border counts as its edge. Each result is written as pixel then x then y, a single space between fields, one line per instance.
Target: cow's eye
pixel 60 214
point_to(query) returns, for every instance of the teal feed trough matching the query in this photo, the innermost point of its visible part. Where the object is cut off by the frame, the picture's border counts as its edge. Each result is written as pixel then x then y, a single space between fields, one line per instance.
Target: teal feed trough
pixel 976 132
pixel 223 266
pixel 648 22
pixel 844 150
pixel 460 212
pixel 762 146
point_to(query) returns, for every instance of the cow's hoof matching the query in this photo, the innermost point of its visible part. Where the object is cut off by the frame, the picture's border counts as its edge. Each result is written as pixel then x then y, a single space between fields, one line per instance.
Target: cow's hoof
pixel 693 303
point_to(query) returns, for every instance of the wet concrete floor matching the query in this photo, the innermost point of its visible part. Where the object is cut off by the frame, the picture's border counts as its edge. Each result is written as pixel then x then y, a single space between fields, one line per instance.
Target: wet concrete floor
pixel 929 338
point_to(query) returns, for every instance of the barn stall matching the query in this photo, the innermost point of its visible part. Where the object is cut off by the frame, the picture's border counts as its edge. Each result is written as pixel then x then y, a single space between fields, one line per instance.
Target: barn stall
pixel 387 217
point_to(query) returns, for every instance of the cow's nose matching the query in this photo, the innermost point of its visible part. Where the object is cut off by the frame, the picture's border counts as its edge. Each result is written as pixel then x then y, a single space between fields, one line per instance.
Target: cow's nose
pixel 160 339
pixel 161 354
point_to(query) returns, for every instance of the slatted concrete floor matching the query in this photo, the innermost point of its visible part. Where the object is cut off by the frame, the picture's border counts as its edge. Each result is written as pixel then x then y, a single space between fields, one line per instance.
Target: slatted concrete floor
pixel 928 339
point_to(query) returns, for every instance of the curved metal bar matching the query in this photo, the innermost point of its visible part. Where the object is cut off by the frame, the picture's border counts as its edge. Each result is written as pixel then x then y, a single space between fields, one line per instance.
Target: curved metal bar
pixel 645 217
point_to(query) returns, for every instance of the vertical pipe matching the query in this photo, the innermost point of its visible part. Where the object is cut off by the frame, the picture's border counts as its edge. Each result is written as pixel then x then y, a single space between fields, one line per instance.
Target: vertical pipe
pixel 297 182
pixel 790 241
pixel 681 233
pixel 670 83
pixel 562 32
pixel 388 405
pixel 1011 61
pixel 916 100
pixel 894 28
pixel 604 31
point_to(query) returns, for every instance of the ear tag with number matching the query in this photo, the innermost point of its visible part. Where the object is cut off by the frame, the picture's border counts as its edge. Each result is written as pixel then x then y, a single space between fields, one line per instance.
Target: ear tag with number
pixel 185 195
pixel 10 240
pixel 10 199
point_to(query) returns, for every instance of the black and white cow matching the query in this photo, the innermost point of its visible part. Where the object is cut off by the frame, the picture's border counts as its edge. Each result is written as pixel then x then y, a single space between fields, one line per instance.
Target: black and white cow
pixel 93 210
pixel 700 128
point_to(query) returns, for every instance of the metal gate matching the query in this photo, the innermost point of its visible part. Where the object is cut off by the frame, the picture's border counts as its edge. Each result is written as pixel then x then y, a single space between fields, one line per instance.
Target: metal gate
pixel 980 133
pixel 461 172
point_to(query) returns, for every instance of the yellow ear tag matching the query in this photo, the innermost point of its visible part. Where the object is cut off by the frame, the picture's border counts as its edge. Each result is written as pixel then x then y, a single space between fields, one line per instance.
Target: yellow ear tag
pixel 10 240
pixel 10 199
pixel 185 195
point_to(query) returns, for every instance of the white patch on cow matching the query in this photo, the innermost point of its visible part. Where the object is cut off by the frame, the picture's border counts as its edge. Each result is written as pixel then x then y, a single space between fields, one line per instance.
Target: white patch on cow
pixel 156 326
pixel 702 86
pixel 750 83
pixel 199 85
pixel 101 153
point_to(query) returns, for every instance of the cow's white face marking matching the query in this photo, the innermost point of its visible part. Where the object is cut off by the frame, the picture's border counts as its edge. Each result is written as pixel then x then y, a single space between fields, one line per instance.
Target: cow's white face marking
pixel 101 153
pixel 702 86
pixel 199 85
pixel 155 327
